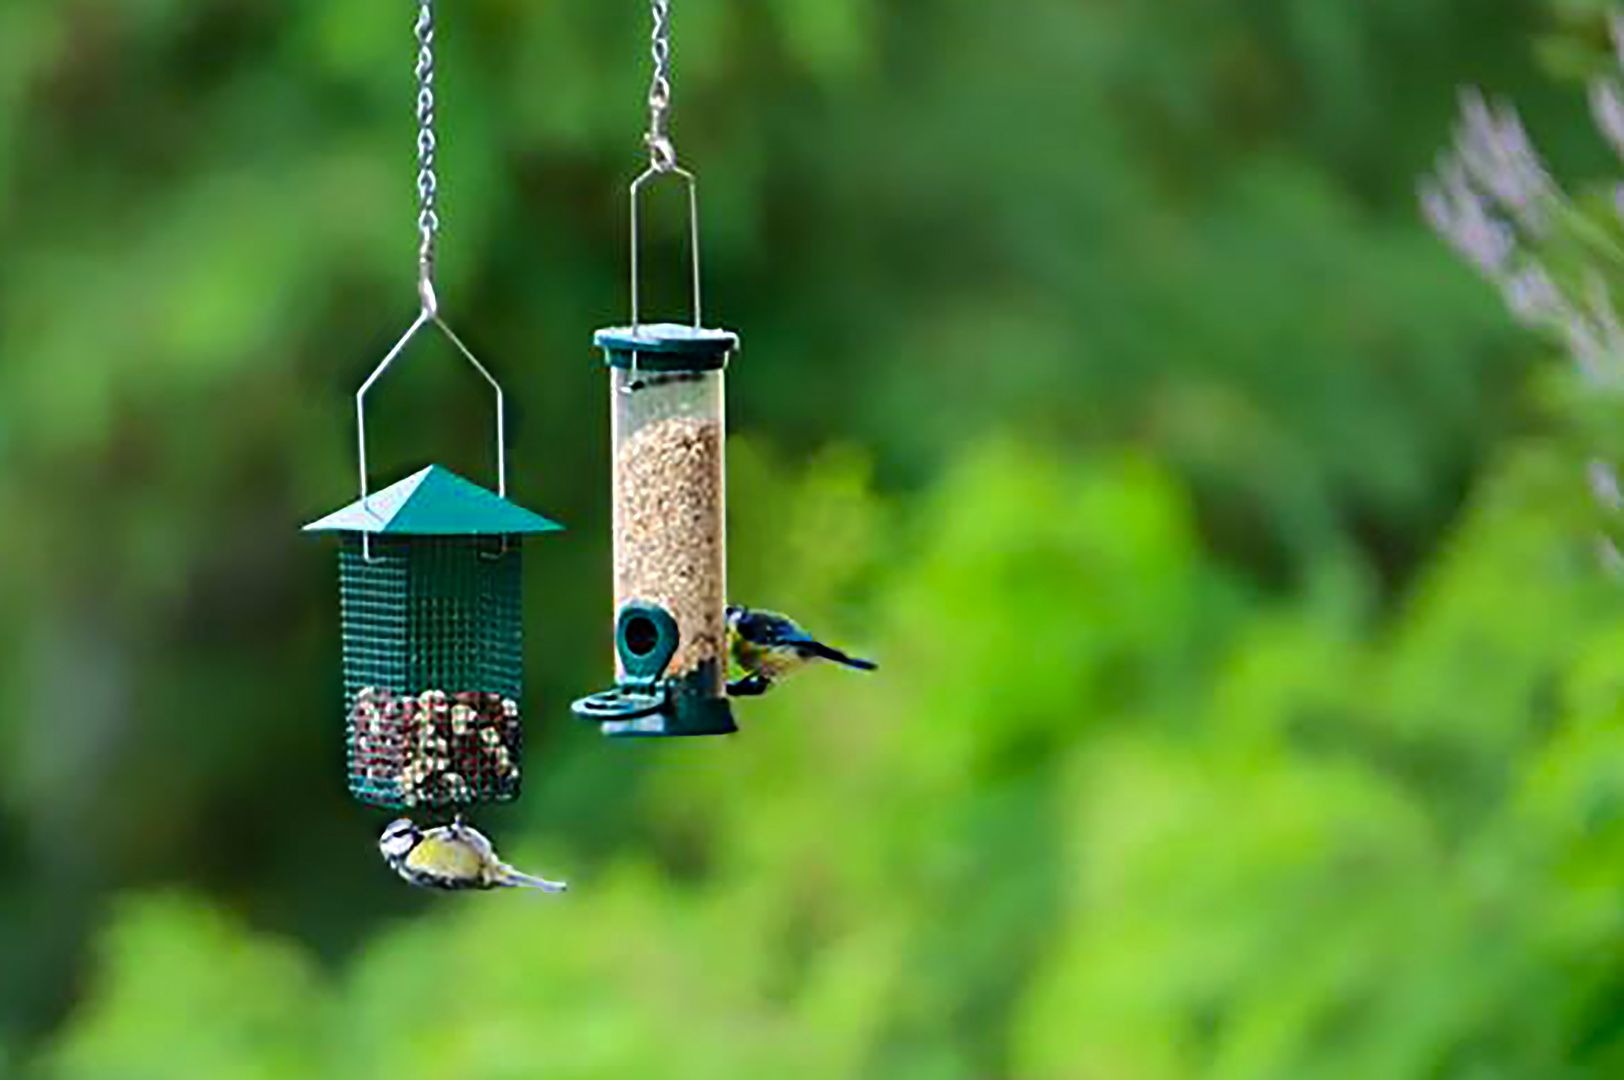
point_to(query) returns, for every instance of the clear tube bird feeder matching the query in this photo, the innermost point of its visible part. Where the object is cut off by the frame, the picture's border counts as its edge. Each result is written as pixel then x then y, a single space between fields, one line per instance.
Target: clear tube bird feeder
pixel 668 429
pixel 666 414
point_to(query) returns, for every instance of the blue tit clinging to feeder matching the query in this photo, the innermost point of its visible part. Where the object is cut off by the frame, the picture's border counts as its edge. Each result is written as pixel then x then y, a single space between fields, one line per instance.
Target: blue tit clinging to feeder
pixel 452 857
pixel 768 646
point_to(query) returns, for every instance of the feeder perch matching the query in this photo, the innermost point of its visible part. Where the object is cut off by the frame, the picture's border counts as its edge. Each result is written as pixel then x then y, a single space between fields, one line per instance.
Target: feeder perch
pixel 666 394
pixel 430 589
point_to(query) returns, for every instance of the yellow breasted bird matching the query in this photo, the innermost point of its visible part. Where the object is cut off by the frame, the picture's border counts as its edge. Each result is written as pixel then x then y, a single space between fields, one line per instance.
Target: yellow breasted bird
pixel 768 646
pixel 452 857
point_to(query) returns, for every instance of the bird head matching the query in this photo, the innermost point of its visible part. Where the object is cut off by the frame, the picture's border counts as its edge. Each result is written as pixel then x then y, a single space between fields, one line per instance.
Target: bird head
pixel 734 614
pixel 399 837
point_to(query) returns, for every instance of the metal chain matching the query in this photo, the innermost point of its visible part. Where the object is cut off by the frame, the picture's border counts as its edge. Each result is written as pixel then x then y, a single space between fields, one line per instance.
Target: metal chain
pixel 428 183
pixel 662 154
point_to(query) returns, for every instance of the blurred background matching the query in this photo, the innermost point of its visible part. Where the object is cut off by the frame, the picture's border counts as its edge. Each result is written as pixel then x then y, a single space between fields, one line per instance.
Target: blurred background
pixel 1250 691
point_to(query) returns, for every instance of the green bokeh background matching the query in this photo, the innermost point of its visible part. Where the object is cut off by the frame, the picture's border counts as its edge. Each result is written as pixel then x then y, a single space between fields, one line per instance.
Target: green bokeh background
pixel 1249 702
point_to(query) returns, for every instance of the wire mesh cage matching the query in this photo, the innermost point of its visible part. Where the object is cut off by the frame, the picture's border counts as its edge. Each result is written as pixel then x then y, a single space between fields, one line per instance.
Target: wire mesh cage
pixel 431 586
pixel 430 580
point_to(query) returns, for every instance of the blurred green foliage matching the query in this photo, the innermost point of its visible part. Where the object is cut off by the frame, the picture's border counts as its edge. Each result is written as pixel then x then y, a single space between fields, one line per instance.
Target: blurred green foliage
pixel 1249 695
pixel 1145 823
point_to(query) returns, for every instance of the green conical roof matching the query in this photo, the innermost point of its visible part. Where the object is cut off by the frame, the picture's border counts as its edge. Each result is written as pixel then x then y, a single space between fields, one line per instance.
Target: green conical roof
pixel 434 502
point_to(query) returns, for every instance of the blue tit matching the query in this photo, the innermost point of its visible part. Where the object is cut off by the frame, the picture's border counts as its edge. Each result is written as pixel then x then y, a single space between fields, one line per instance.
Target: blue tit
pixel 452 857
pixel 769 646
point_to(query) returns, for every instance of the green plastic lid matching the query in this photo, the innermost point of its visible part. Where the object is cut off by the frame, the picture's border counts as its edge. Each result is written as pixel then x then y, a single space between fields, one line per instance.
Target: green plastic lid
pixel 667 347
pixel 434 502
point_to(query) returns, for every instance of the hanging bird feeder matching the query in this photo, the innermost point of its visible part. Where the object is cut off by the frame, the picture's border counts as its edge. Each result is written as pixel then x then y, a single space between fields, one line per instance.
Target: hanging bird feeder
pixel 669 529
pixel 667 419
pixel 430 590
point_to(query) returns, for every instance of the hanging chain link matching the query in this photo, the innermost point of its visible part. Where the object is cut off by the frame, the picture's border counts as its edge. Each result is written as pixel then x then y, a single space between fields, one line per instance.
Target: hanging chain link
pixel 428 183
pixel 662 154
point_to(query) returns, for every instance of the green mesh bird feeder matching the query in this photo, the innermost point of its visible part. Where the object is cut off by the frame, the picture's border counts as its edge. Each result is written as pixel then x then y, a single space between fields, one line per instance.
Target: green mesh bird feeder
pixel 430 592
pixel 430 586
pixel 667 418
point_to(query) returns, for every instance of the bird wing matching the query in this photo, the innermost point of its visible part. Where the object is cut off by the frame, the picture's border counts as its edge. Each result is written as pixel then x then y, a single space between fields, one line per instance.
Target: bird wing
pixel 771 628
pixel 473 838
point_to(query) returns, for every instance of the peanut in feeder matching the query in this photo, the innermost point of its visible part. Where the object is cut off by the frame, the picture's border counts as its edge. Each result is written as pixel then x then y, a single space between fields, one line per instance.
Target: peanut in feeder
pixel 668 427
pixel 430 586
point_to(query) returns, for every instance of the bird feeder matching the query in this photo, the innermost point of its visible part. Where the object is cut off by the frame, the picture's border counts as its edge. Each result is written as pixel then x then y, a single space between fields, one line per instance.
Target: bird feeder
pixel 429 582
pixel 666 410
pixel 667 429
pixel 430 590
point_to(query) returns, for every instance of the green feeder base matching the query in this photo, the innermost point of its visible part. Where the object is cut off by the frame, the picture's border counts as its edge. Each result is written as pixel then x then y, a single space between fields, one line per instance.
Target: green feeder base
pixel 645 705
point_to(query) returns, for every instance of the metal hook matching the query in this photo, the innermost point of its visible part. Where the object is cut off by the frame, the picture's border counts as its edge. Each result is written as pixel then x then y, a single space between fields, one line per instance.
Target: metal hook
pixel 425 287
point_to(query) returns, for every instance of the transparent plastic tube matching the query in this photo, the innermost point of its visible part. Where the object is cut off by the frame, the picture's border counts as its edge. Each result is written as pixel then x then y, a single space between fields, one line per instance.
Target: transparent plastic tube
pixel 670 511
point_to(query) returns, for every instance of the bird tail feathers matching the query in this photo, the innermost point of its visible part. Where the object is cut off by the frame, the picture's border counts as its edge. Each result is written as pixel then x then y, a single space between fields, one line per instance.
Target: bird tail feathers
pixel 518 880
pixel 829 652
